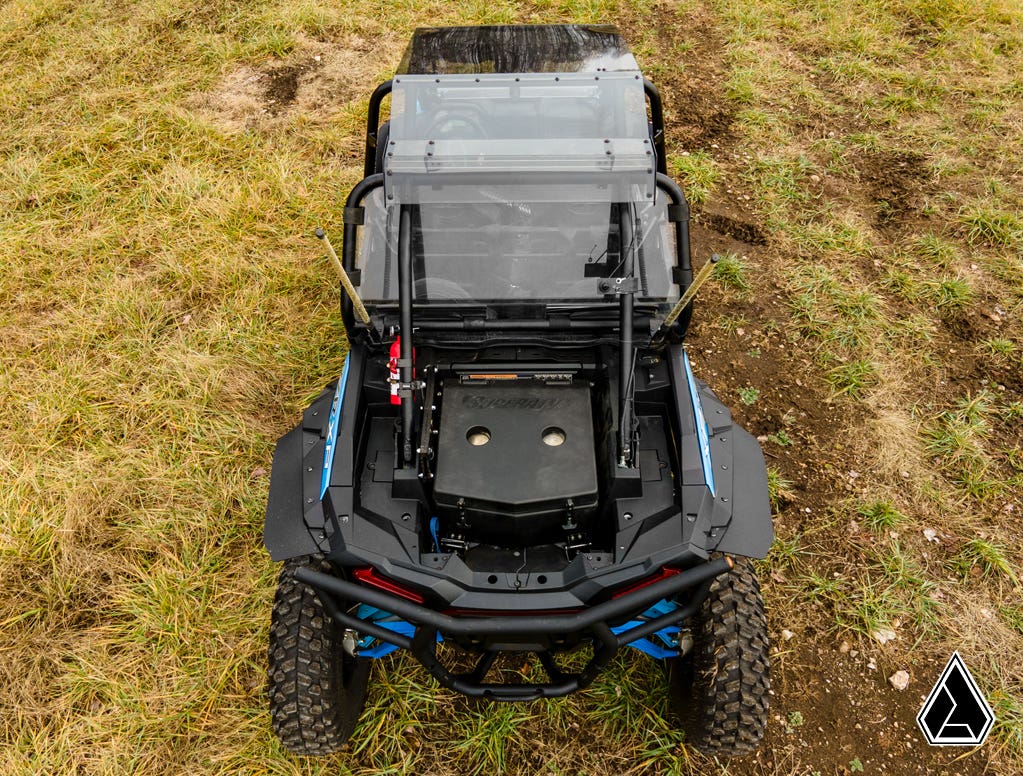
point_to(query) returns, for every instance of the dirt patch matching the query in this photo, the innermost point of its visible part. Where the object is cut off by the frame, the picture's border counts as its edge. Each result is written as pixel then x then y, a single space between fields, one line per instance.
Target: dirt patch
pixel 739 229
pixel 282 88
pixel 316 80
pixel 697 111
pixel 896 181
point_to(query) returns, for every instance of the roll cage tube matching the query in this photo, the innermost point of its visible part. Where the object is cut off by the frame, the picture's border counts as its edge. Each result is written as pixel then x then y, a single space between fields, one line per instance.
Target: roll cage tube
pixel 625 425
pixel 405 312
pixel 657 119
pixel 354 215
pixel 373 126
pixel 678 213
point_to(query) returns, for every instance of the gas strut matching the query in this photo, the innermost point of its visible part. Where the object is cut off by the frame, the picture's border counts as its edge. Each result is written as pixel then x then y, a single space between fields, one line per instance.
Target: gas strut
pixel 702 277
pixel 346 282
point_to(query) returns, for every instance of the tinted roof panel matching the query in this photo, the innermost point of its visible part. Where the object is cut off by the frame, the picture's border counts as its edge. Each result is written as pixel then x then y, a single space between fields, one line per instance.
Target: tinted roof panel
pixel 546 48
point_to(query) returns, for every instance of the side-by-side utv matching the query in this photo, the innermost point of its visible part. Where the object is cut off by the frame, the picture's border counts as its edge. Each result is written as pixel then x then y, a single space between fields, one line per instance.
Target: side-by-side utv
pixel 517 457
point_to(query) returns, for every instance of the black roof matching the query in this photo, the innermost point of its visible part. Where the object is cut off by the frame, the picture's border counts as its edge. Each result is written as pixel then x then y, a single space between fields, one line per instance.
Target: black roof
pixel 539 48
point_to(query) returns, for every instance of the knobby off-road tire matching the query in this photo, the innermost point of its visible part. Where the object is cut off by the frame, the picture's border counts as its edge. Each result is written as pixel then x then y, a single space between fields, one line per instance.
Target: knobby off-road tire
pixel 317 690
pixel 720 689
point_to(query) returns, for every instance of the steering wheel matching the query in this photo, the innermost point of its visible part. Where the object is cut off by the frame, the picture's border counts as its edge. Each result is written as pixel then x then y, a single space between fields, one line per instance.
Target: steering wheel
pixel 457 125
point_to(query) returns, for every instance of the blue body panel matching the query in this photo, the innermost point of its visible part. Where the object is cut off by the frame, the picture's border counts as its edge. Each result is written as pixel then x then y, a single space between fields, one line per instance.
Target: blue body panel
pixel 702 431
pixel 332 423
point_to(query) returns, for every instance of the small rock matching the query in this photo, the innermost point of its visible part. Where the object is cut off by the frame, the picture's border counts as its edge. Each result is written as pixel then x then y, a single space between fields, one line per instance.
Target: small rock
pixel 899 680
pixel 853 652
pixel 787 634
pixel 872 664
pixel 853 474
pixel 931 535
pixel 186 319
pixel 986 613
pixel 882 635
pixel 844 647
pixel 762 438
pixel 815 178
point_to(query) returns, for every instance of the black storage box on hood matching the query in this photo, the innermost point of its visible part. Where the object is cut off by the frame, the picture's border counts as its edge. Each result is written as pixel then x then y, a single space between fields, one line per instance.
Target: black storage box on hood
pixel 516 460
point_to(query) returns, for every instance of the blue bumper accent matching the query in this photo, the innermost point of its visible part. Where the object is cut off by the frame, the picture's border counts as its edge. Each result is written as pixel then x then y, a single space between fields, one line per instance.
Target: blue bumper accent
pixel 332 424
pixel 702 431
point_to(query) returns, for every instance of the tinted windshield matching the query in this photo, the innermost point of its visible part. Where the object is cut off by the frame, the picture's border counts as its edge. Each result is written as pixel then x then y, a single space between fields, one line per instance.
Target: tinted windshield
pixel 496 249
pixel 516 187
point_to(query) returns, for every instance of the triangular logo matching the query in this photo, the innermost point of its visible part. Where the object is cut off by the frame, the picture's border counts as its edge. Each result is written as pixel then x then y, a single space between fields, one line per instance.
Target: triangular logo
pixel 955 713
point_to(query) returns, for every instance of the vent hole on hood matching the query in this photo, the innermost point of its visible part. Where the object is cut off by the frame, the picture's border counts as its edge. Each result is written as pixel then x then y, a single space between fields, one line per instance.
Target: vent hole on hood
pixel 478 435
pixel 553 436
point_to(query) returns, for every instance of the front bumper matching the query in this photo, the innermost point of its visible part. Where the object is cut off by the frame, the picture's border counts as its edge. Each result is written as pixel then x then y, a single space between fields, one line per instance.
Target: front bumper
pixel 594 623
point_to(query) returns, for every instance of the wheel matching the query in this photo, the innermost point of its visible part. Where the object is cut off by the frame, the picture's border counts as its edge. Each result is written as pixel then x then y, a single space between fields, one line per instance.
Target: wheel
pixel 317 691
pixel 720 689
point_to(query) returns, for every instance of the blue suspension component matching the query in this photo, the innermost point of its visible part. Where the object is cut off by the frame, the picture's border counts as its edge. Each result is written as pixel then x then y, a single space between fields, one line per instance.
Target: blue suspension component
pixel 392 622
pixel 435 533
pixel 661 644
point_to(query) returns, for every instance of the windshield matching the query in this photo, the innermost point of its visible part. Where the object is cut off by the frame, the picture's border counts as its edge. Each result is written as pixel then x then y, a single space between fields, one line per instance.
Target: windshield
pixel 517 187
pixel 498 249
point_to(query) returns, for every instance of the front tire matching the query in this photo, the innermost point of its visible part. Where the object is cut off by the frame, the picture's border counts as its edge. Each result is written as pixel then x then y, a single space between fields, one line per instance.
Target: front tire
pixel 317 691
pixel 720 689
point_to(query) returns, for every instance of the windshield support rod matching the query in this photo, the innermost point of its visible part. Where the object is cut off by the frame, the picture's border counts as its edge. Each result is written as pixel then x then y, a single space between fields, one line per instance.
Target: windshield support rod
pixel 625 215
pixel 405 312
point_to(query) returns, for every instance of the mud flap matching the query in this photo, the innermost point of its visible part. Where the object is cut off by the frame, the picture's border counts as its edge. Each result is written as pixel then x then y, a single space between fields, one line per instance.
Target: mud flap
pixel 285 533
pixel 750 531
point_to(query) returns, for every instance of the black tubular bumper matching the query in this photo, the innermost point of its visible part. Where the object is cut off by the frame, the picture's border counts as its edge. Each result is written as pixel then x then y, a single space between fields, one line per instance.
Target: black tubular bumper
pixel 595 620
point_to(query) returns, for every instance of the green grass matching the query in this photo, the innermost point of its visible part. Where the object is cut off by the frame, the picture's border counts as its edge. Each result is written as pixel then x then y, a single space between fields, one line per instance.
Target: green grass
pixel 881 516
pixel 698 174
pixel 987 557
pixel 732 271
pixel 749 395
pixel 989 225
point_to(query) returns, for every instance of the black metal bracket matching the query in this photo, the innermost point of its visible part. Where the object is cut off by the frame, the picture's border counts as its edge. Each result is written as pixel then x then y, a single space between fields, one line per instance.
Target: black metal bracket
pixel 678 212
pixel 619 285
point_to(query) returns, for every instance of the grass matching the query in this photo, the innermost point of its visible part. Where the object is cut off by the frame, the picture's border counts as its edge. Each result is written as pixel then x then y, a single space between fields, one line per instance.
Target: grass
pixel 732 271
pixel 165 316
pixel 749 395
pixel 986 557
pixel 698 174
pixel 881 516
